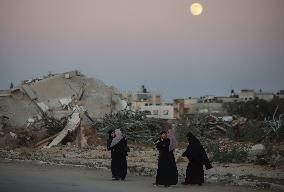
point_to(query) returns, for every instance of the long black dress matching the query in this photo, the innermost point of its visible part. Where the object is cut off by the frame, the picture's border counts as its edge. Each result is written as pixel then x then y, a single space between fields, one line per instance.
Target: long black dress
pixel 167 173
pixel 197 158
pixel 118 159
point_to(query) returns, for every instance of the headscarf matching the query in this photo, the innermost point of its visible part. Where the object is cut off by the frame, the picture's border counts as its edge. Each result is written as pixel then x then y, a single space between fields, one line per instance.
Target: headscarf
pixel 109 134
pixel 173 140
pixel 109 140
pixel 117 138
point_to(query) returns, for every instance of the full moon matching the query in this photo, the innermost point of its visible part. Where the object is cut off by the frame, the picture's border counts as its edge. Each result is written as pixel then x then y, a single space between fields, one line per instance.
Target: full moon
pixel 196 9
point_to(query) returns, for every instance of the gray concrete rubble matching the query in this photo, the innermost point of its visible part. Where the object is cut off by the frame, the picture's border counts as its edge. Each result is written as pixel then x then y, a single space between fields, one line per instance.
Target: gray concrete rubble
pixel 57 95
pixel 257 150
pixel 72 124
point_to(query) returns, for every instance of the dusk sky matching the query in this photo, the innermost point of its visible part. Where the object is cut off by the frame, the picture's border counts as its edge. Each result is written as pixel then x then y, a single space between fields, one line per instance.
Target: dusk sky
pixel 233 44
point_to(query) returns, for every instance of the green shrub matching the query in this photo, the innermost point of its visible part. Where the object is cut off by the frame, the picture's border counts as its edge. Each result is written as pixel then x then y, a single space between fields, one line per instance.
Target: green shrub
pixel 233 154
pixel 52 124
pixel 182 127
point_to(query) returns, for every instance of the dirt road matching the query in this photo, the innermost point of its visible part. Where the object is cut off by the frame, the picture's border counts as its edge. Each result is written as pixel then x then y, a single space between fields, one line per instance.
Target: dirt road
pixel 29 177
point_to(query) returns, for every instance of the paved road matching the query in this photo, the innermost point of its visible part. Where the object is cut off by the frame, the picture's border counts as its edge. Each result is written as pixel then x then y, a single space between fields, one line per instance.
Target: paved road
pixel 35 177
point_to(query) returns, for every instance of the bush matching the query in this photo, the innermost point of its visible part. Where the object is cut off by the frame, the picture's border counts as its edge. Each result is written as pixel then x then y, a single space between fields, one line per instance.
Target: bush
pixel 230 154
pixel 256 109
pixel 251 132
pixel 52 124
pixel 182 127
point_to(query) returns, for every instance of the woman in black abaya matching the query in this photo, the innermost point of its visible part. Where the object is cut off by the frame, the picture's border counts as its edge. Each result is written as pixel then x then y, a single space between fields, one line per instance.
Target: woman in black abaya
pixel 197 159
pixel 167 173
pixel 117 144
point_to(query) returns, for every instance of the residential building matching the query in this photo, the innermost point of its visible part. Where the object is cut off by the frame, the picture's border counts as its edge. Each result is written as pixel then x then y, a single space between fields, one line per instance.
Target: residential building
pixel 280 94
pixel 159 111
pixel 223 99
pixel 267 96
pixel 137 100
pixel 246 95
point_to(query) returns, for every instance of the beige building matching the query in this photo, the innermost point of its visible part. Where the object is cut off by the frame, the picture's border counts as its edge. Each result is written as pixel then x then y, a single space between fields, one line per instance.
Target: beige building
pixel 184 106
pixel 191 106
pixel 160 112
pixel 250 94
pixel 265 95
pixel 280 94
pixel 226 99
pixel 246 95
pixel 137 100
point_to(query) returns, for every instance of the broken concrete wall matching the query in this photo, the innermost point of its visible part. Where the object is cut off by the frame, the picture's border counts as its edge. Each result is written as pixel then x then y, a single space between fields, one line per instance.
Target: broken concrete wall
pixel 57 95
pixel 19 108
pixel 98 98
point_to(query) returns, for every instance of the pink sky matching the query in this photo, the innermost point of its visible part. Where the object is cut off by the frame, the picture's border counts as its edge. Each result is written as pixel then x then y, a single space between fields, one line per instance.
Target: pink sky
pixel 158 43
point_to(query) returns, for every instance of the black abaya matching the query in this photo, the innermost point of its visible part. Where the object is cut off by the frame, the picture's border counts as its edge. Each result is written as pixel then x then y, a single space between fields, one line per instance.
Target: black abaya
pixel 167 173
pixel 197 158
pixel 118 159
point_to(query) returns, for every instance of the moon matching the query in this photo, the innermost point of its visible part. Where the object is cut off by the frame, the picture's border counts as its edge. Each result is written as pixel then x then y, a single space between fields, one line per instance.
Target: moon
pixel 196 9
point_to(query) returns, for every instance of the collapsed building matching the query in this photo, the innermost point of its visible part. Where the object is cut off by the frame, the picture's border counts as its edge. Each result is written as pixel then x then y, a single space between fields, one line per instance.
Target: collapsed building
pixel 58 95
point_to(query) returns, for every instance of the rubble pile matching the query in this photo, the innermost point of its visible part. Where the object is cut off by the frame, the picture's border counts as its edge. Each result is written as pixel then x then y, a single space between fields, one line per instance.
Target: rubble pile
pixel 11 138
pixel 61 104
pixel 274 128
pixel 135 125
pixel 213 127
pixel 56 95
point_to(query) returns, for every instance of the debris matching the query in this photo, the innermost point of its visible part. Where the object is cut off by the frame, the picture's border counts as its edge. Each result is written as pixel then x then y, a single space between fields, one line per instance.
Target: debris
pixel 227 118
pixel 257 150
pixel 43 106
pixel 54 92
pixel 13 135
pixel 72 124
pixel 30 121
pixel 45 141
pixel 81 140
pixel 221 128
pixel 65 102
pixel 28 90
pixel 135 125
pixel 274 128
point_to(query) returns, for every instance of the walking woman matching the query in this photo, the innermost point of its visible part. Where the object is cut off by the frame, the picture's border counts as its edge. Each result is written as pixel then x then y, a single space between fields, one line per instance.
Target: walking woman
pixel 117 144
pixel 197 158
pixel 167 173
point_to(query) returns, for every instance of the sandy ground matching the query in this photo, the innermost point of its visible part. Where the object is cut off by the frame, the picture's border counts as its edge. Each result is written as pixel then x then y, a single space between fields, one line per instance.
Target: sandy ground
pixel 34 176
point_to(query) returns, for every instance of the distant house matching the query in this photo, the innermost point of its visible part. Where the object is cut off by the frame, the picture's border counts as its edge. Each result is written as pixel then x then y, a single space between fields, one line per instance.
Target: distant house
pixel 221 99
pixel 137 100
pixel 207 99
pixel 184 106
pixel 161 112
pixel 280 94
pixel 246 95
pixel 267 96
pixel 191 106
